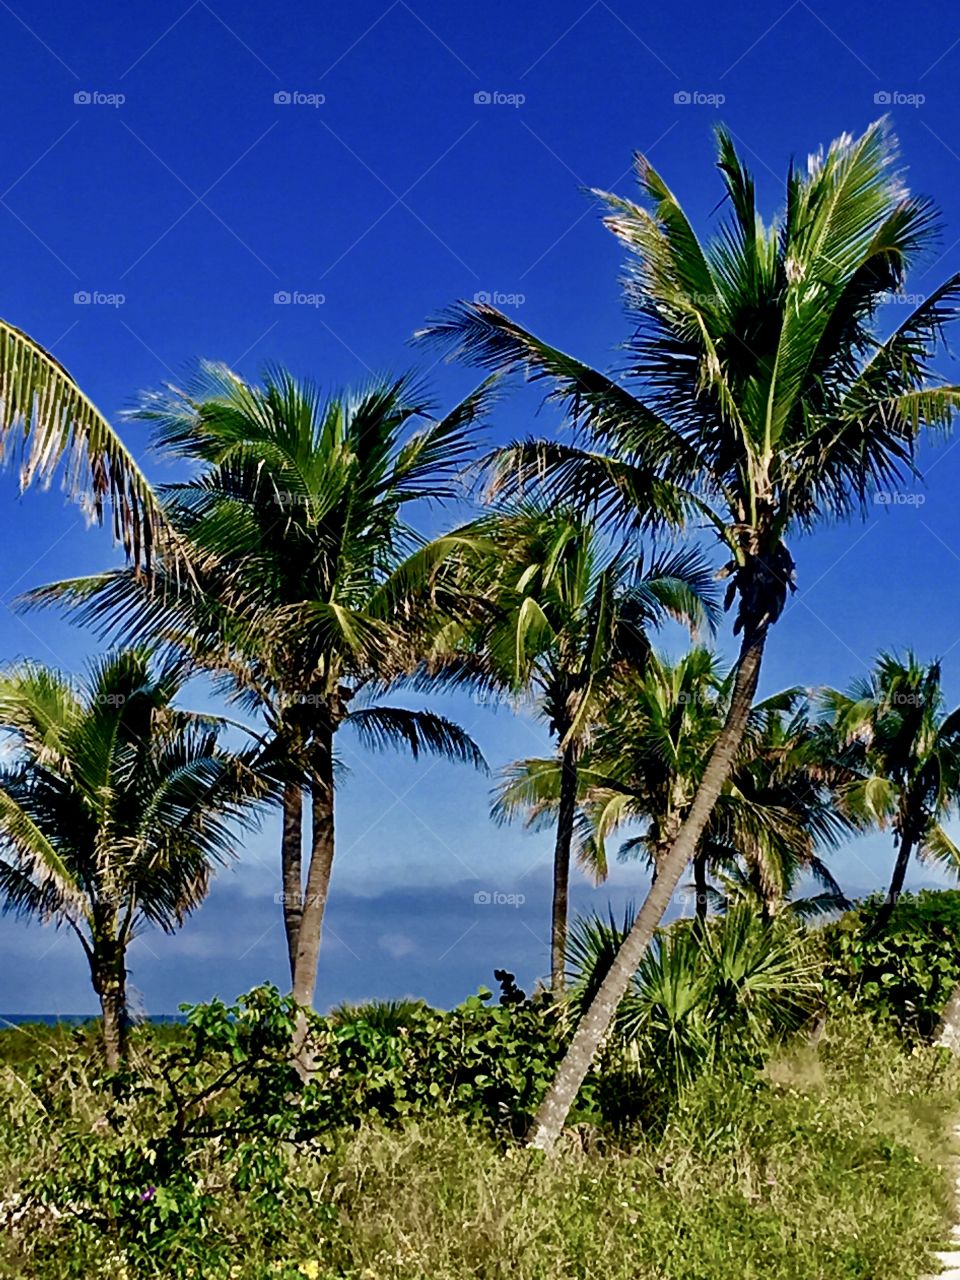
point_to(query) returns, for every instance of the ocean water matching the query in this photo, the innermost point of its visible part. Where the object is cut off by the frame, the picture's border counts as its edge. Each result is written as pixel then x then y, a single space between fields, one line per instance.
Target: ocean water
pixel 75 1019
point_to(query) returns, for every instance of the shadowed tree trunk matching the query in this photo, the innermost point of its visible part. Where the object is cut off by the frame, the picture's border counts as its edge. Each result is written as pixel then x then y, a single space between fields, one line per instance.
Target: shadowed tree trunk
pixel 561 868
pixel 321 863
pixel 904 850
pixel 595 1023
pixel 700 889
pixel 108 970
pixel 291 855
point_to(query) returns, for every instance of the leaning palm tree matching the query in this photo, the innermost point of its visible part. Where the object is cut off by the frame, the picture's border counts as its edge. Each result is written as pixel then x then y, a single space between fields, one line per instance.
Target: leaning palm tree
pixel 902 750
pixel 302 602
pixel 756 397
pixel 46 420
pixel 568 619
pixel 114 808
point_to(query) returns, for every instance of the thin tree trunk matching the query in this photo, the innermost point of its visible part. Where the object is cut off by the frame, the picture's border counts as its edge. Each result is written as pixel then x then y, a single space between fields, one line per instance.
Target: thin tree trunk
pixel 904 851
pixel 595 1023
pixel 291 857
pixel 318 873
pixel 561 869
pixel 700 889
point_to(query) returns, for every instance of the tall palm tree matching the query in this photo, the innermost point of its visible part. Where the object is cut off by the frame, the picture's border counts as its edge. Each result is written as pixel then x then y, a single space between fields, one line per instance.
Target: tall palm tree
pixel 902 747
pixel 756 397
pixel 114 808
pixel 45 420
pixel 304 603
pixel 569 617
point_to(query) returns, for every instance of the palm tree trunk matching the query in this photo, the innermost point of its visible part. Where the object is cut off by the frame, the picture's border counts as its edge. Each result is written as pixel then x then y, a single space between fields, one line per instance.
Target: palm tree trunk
pixel 595 1023
pixel 291 857
pixel 109 981
pixel 561 868
pixel 700 889
pixel 904 851
pixel 318 873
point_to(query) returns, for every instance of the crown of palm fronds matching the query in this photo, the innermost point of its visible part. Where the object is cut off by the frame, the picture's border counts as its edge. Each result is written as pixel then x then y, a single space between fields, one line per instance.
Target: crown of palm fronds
pixel 900 751
pixel 113 800
pixel 755 392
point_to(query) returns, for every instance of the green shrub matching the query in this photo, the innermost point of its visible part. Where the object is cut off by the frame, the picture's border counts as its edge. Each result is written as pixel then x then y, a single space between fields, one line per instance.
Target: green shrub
pixel 696 1004
pixel 828 1164
pixel 905 969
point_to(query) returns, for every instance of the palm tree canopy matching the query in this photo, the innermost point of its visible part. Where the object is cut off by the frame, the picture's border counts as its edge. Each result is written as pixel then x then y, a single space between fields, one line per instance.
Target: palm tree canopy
pixel 646 757
pixel 565 612
pixel 112 800
pixel 300 506
pixel 901 747
pixel 755 392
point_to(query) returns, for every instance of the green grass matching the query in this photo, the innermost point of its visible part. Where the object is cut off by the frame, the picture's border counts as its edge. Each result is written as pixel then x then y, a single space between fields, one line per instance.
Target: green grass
pixel 833 1166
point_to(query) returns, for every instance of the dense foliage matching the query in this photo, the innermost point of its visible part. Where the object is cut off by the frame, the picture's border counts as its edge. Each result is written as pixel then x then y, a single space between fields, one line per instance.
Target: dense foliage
pixel 825 1164
pixel 905 968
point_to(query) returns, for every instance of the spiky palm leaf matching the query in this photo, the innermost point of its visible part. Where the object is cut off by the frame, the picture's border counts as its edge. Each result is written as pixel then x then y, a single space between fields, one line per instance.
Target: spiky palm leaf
pixel 47 422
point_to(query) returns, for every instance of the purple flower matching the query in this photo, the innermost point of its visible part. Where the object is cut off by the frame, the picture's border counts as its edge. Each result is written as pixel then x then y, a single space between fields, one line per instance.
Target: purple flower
pixel 148 1194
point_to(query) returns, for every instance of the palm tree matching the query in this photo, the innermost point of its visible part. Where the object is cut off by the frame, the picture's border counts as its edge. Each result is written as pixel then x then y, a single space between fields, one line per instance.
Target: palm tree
pixel 756 397
pixel 305 603
pixel 45 419
pixel 894 733
pixel 644 764
pixel 569 619
pixel 114 808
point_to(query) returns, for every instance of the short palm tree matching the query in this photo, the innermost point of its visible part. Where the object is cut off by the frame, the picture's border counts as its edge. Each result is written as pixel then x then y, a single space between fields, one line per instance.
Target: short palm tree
pixel 303 601
pixel 114 808
pixel 569 618
pixel 756 396
pixel 699 997
pixel 902 750
pixel 643 766
pixel 45 419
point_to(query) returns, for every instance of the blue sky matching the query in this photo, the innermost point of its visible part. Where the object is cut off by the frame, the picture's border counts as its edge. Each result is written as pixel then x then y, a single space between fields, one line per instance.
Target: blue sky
pixel 185 207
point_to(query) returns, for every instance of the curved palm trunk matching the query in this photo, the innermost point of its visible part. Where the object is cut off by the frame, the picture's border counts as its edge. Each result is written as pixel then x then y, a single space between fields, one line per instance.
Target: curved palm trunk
pixel 291 858
pixel 561 869
pixel 318 873
pixel 595 1023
